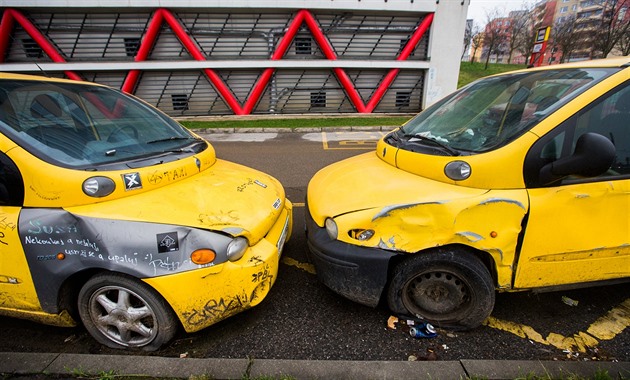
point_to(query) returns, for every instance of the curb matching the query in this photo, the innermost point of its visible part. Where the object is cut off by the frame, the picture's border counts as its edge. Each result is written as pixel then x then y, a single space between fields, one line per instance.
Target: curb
pixel 383 128
pixel 80 365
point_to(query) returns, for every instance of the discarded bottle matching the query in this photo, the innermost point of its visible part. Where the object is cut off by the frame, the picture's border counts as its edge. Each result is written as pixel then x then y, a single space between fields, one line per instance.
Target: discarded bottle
pixel 423 330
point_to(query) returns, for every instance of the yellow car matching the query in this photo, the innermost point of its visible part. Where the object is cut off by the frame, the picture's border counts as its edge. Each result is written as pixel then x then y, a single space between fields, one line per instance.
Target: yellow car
pixel 517 181
pixel 113 214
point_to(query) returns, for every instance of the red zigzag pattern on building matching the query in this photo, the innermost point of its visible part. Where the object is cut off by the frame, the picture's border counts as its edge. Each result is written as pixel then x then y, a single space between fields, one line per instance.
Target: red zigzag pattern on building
pixel 162 15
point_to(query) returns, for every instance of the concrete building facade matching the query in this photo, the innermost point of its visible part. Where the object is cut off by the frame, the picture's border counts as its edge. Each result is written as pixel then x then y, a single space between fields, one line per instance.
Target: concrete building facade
pixel 193 57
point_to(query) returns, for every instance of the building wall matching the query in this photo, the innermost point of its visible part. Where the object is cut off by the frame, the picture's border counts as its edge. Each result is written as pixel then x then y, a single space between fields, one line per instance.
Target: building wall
pixel 208 58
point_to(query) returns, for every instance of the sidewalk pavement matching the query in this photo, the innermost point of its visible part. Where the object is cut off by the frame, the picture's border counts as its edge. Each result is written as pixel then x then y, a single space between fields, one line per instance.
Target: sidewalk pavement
pixel 23 365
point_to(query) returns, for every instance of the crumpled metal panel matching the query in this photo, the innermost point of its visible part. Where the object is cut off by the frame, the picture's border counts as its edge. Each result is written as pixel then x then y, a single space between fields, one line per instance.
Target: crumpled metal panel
pixel 58 244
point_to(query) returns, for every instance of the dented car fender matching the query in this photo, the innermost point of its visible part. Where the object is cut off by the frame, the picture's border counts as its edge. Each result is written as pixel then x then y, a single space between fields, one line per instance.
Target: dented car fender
pixel 491 223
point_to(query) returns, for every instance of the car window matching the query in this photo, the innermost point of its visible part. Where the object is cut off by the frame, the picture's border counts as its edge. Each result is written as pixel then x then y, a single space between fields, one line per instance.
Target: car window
pixel 11 183
pixel 608 116
pixel 492 112
pixel 612 119
pixel 85 126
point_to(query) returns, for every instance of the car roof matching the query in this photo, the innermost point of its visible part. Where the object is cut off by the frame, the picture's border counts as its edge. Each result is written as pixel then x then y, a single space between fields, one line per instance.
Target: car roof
pixel 8 75
pixel 620 62
pixel 606 62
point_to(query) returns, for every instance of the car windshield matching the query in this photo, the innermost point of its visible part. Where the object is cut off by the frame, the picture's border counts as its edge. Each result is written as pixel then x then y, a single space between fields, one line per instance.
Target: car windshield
pixel 491 112
pixel 89 127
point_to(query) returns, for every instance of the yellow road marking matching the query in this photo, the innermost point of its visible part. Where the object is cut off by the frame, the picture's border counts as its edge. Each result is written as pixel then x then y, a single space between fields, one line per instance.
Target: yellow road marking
pixel 298 204
pixel 605 328
pixel 366 144
pixel 613 323
pixel 294 263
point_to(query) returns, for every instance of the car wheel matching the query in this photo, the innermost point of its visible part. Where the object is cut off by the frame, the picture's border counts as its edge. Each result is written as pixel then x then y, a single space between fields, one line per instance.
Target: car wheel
pixel 451 289
pixel 122 312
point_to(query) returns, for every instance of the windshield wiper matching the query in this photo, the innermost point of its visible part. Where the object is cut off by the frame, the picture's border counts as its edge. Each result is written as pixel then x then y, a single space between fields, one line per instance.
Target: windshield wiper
pixel 435 142
pixel 172 138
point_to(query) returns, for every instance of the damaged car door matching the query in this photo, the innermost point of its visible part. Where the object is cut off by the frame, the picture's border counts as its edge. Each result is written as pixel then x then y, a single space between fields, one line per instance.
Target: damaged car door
pixel 579 202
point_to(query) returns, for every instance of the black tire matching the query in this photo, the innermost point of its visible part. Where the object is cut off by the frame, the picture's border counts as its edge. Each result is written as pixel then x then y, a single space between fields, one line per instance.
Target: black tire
pixel 123 312
pixel 449 288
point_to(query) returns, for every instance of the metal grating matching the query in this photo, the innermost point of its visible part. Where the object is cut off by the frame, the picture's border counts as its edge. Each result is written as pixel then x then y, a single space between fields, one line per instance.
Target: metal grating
pixel 115 37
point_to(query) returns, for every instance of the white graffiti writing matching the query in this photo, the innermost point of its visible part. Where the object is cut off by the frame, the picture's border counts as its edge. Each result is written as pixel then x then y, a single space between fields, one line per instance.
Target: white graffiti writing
pixel 44 241
pixel 38 227
pixel 124 259
pixel 164 264
pixel 87 243
pixel 82 253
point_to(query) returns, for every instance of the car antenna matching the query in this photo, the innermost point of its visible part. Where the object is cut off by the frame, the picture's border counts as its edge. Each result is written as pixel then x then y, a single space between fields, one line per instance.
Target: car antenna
pixel 42 71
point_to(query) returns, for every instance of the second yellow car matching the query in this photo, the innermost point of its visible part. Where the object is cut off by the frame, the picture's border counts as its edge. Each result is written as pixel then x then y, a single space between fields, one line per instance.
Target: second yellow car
pixel 517 181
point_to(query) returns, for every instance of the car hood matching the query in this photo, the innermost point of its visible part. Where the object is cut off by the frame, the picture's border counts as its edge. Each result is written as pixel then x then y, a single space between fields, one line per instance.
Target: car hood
pixel 225 197
pixel 367 182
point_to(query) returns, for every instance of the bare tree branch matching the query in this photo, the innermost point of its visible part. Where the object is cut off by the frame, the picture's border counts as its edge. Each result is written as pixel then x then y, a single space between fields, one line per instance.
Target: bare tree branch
pixel 495 35
pixel 564 37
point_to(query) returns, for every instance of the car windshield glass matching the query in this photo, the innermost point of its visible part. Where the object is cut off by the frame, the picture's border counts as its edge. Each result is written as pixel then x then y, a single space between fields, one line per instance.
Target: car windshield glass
pixel 492 112
pixel 86 126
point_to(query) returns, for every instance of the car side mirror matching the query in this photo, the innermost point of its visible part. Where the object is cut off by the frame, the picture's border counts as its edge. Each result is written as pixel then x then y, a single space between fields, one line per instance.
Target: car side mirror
pixel 594 154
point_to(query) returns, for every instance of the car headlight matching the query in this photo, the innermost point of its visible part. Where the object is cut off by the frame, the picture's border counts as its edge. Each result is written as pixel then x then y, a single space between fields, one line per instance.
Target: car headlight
pixel 331 228
pixel 236 249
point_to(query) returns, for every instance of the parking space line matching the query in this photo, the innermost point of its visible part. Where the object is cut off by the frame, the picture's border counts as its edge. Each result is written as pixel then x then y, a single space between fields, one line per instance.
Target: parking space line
pixel 605 328
pixel 613 323
pixel 325 140
pixel 368 142
pixel 310 268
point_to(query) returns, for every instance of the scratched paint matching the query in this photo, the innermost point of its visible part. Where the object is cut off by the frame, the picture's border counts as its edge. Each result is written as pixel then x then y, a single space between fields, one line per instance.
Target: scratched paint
pixel 606 327
pixel 208 295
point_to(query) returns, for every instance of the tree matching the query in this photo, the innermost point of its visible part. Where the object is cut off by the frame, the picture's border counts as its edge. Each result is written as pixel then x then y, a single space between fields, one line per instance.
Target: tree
pixel 564 37
pixel 519 23
pixel 526 40
pixel 476 41
pixel 495 35
pixel 624 44
pixel 613 25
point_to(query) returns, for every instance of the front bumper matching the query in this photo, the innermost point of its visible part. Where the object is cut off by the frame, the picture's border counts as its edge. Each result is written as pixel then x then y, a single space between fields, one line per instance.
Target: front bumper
pixel 357 273
pixel 205 296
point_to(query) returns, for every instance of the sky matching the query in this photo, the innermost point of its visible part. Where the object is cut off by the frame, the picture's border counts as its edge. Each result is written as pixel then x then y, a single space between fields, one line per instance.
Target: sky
pixel 478 8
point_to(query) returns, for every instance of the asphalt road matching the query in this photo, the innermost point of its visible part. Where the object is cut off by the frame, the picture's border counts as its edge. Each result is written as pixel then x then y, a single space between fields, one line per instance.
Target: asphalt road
pixel 302 319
